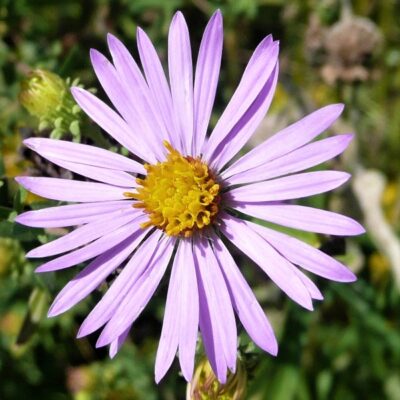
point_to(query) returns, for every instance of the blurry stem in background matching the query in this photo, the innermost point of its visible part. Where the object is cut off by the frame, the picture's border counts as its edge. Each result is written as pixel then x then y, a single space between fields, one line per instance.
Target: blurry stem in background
pixel 37 308
pixel 346 10
pixel 368 186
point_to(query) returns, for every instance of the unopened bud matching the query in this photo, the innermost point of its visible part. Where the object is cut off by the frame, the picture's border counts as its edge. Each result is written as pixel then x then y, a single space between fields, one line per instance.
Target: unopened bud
pixel 47 96
pixel 205 385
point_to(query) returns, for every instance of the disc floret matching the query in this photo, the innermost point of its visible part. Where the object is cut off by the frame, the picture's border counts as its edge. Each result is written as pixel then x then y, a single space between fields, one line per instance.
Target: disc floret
pixel 180 194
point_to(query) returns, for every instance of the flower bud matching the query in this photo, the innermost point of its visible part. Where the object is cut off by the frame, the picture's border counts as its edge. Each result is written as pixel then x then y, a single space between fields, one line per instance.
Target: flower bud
pixel 47 96
pixel 205 384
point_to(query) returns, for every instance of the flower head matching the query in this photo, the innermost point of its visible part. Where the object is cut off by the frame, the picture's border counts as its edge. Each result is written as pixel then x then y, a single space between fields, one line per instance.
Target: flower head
pixel 183 200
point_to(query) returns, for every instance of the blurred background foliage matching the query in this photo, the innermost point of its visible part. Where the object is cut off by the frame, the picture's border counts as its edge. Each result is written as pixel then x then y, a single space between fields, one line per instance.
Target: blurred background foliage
pixel 331 51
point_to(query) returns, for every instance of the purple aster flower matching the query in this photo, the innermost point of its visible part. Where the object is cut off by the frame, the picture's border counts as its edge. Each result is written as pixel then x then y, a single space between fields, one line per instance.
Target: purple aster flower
pixel 183 200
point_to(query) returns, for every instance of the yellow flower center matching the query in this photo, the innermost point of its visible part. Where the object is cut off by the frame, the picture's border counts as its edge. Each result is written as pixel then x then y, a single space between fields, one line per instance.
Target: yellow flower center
pixel 180 195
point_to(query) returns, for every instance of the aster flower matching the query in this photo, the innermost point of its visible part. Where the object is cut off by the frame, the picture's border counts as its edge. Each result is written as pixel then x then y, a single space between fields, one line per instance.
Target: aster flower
pixel 184 199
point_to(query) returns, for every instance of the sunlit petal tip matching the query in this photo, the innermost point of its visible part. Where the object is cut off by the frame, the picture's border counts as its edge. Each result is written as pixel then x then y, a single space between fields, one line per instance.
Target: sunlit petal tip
pixel 356 229
pixel 343 140
pixel 31 143
pixel 24 181
pixel 217 18
pixel 97 58
pixel 33 254
pixel 81 334
pixel 113 41
pixel 104 340
pixel 141 36
pixel 348 136
pixel 84 330
pixel 336 108
pixel 178 16
pixel 270 346
pixel 111 37
pixel 265 42
pixel 94 53
pixel 54 311
pixel 76 92
pixel 347 276
pixel 188 375
pixel 345 176
pixel 158 377
pixel 309 307
pixel 320 297
pixel 273 348
pixel 112 352
pixel 41 269
pixel 20 219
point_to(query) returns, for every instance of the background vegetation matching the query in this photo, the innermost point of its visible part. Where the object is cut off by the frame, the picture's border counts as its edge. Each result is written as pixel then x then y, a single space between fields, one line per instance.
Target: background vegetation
pixel 331 51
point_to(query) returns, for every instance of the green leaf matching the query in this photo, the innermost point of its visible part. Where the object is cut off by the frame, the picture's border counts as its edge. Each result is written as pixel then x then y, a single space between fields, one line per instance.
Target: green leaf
pixel 19 199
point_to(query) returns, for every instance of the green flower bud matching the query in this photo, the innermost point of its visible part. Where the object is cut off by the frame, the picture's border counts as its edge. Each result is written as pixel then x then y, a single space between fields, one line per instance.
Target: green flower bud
pixel 205 385
pixel 47 96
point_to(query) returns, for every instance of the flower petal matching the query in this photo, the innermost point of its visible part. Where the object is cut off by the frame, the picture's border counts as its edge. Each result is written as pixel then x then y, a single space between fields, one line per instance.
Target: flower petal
pixel 298 160
pixel 217 320
pixel 116 345
pixel 95 248
pixel 288 139
pixel 254 78
pixel 85 234
pixel 181 317
pixel 74 214
pixel 309 284
pixel 246 126
pixel 139 294
pixel 112 123
pixel 69 190
pixel 206 78
pixel 181 78
pixel 302 217
pixel 95 274
pixel 264 255
pixel 290 187
pixel 158 86
pixel 113 85
pixel 306 256
pixel 109 176
pixel 245 303
pixel 136 89
pixel 189 322
pixel 119 289
pixel 169 340
pixel 83 154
